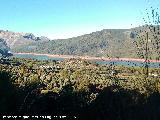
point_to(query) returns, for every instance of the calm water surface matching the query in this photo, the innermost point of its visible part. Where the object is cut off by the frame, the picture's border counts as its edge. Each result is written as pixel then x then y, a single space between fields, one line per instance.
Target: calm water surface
pixel 124 63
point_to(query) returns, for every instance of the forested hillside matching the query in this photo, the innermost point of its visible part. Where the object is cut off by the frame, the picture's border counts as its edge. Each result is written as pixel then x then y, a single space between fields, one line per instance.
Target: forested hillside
pixel 109 42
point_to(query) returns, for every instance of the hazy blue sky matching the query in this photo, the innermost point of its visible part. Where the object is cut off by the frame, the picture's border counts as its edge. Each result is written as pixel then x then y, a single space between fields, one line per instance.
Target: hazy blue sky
pixel 68 18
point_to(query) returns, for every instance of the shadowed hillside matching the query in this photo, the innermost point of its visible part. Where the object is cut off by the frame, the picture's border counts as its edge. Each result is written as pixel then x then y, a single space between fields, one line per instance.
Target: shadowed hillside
pixel 4 49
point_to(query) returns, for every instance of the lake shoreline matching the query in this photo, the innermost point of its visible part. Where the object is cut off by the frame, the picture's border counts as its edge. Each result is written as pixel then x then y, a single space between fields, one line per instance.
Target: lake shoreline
pixel 87 57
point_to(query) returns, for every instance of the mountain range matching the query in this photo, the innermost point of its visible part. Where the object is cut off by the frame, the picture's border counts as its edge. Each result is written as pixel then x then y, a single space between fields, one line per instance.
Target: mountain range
pixel 108 42
pixel 16 39
pixel 104 43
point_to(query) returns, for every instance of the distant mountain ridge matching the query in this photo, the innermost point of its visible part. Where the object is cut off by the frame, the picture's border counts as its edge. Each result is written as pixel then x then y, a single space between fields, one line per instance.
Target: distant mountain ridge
pixel 16 39
pixel 127 43
pixel 107 42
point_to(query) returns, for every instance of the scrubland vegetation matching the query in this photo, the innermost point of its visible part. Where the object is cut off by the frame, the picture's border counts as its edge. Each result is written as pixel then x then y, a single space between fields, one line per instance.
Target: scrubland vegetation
pixel 75 87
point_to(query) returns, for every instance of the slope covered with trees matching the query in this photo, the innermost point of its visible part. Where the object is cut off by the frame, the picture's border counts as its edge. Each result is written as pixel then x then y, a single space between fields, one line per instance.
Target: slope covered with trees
pixel 109 42
pixel 106 43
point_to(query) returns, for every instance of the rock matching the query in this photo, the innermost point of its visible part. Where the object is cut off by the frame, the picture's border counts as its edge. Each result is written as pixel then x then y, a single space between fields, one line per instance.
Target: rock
pixel 29 36
pixel 18 39
pixel 4 49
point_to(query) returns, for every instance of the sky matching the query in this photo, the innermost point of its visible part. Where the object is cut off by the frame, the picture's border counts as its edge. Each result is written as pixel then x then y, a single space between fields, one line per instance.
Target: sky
pixel 59 19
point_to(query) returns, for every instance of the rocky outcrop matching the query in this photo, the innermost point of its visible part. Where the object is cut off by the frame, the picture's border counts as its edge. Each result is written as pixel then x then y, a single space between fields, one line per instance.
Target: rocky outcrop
pixel 4 49
pixel 16 39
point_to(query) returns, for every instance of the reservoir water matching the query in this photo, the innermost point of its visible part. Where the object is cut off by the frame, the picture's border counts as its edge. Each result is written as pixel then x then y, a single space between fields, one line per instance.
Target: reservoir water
pixel 113 62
